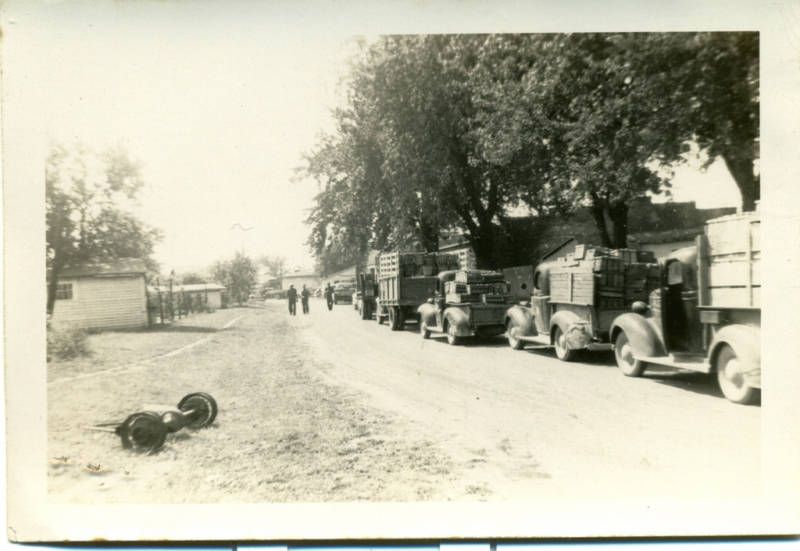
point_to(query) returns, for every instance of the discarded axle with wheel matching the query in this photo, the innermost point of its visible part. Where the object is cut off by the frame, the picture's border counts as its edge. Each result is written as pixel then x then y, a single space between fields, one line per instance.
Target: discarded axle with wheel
pixel 146 431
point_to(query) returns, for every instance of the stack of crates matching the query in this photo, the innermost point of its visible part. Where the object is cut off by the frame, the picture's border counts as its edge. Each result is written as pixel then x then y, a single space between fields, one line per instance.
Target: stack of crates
pixel 397 264
pixel 607 279
pixel 476 286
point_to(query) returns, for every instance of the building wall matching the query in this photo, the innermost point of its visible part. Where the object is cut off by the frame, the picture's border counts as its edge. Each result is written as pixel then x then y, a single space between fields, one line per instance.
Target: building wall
pixel 103 303
pixel 310 281
pixel 662 250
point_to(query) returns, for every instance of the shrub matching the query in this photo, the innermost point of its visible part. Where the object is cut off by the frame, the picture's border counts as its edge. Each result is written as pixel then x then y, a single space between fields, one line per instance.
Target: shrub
pixel 67 343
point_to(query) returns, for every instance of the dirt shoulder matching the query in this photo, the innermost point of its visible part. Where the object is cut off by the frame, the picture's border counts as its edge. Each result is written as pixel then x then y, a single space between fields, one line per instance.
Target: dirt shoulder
pixel 281 435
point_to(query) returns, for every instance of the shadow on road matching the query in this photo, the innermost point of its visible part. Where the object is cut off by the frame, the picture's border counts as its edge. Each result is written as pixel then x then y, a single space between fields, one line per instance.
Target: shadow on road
pixel 700 383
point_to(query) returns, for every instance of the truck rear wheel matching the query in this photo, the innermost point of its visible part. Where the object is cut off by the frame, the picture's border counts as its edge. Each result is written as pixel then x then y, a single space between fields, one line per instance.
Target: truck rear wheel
pixel 563 353
pixel 395 318
pixel 512 334
pixel 623 353
pixel 731 378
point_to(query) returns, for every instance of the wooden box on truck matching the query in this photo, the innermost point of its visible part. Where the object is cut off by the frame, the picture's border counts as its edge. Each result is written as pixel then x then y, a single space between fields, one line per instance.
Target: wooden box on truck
pixel 731 252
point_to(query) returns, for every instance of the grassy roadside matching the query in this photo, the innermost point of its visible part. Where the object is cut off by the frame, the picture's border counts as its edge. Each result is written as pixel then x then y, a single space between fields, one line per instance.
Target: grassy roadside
pixel 110 349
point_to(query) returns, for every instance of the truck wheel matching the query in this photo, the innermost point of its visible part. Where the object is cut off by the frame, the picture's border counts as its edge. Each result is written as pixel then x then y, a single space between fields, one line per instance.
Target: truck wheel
pixel 563 353
pixel 623 352
pixel 363 311
pixel 378 316
pixel 512 334
pixel 424 331
pixel 394 318
pixel 452 338
pixel 730 375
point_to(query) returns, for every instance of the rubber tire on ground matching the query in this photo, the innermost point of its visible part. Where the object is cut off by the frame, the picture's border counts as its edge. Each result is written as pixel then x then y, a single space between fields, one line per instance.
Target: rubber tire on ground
pixel 378 316
pixel 562 352
pixel 730 378
pixel 204 417
pixel 423 330
pixel 143 432
pixel 512 332
pixel 623 353
pixel 452 338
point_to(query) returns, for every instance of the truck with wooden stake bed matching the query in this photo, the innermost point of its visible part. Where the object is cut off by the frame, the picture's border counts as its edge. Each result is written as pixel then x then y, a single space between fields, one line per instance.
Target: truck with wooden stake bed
pixel 577 296
pixel 406 280
pixel 706 314
pixel 466 303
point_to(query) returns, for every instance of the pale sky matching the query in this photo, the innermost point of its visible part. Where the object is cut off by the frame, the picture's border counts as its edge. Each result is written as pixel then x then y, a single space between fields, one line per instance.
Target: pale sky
pixel 218 101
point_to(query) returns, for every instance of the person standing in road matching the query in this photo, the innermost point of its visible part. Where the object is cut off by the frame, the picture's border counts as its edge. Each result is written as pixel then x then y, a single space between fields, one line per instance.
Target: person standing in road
pixel 329 295
pixel 304 294
pixel 291 294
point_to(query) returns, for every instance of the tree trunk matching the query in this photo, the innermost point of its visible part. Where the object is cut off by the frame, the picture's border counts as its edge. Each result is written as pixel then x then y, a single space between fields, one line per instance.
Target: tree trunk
pixel 51 289
pixel 612 224
pixel 598 213
pixel 429 236
pixel 618 213
pixel 749 185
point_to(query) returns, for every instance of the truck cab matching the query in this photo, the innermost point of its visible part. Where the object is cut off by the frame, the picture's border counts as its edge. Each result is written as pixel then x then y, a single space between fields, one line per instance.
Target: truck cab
pixel 705 316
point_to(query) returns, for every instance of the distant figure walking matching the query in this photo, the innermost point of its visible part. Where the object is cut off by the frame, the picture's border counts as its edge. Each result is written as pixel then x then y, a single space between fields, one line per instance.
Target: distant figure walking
pixel 291 294
pixel 304 294
pixel 329 295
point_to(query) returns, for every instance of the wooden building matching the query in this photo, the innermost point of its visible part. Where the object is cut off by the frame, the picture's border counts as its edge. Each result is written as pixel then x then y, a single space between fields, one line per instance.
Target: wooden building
pixel 102 295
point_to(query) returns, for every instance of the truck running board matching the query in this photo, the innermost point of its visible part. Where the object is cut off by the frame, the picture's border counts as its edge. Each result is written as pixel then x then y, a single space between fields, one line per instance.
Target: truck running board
pixel 680 362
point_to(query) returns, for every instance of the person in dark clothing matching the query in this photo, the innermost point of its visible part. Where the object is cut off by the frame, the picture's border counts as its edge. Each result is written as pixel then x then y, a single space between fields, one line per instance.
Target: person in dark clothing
pixel 304 294
pixel 329 295
pixel 291 294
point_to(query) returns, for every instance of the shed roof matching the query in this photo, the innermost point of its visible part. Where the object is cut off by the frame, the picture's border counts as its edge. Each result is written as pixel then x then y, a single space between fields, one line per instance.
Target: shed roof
pixel 117 267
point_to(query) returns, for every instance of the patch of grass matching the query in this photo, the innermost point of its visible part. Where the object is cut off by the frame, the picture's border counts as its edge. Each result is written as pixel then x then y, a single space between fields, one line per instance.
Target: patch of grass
pixel 67 343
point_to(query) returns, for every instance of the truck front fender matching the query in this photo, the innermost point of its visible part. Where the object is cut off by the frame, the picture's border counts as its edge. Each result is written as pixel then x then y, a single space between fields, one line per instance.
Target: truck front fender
pixel 643 337
pixel 523 319
pixel 576 329
pixel 745 340
pixel 459 319
pixel 427 314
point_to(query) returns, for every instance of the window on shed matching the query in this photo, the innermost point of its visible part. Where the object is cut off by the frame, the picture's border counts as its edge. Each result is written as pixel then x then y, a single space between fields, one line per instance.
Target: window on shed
pixel 64 291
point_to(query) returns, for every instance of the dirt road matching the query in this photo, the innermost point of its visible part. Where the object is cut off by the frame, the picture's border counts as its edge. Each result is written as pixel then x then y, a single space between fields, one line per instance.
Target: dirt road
pixel 327 407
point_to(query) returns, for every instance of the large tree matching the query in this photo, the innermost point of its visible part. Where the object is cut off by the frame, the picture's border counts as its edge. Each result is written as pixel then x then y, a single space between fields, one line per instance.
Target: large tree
pixel 89 199
pixel 722 104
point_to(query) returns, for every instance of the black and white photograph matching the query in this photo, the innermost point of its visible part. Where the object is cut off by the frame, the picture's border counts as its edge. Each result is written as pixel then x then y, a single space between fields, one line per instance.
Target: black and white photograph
pixel 410 270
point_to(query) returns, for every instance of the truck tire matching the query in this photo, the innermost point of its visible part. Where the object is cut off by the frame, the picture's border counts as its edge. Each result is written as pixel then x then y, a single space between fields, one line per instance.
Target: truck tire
pixel 424 331
pixel 730 376
pixel 395 318
pixel 623 353
pixel 512 334
pixel 560 344
pixel 452 338
pixel 363 310
pixel 378 316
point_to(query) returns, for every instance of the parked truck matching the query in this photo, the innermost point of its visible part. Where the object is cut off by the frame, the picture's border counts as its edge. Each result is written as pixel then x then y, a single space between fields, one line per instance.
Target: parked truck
pixel 406 280
pixel 706 314
pixel 576 298
pixel 343 291
pixel 466 303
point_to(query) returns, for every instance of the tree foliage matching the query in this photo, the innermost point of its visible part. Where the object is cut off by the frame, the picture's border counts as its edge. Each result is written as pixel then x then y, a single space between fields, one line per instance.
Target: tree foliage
pixel 237 275
pixel 89 199
pixel 452 132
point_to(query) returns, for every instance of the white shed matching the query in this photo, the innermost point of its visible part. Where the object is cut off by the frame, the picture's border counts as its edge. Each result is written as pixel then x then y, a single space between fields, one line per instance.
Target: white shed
pixel 102 295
